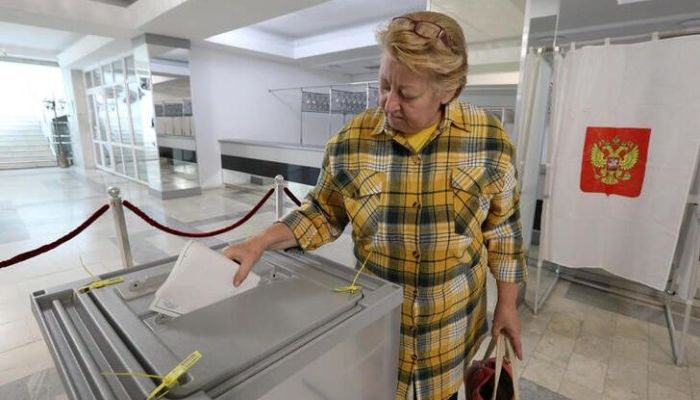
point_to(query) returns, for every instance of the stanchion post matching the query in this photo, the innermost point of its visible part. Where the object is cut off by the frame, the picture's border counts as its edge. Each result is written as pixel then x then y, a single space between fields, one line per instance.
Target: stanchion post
pixel 279 197
pixel 115 202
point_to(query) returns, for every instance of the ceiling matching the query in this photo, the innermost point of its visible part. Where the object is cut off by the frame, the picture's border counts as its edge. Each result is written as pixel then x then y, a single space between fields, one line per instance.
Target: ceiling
pixel 336 15
pixel 600 19
pixel 339 35
pixel 485 20
pixel 336 35
pixel 576 14
pixel 50 41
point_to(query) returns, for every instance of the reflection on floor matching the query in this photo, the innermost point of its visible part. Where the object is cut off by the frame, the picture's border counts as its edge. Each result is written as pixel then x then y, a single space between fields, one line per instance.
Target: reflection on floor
pixel 175 174
pixel 584 344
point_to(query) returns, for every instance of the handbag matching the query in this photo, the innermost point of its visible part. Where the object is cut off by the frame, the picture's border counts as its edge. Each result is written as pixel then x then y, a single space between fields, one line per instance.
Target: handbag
pixel 501 372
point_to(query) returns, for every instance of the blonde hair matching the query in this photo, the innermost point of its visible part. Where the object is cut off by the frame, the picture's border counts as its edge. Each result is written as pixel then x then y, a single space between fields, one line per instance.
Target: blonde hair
pixel 445 62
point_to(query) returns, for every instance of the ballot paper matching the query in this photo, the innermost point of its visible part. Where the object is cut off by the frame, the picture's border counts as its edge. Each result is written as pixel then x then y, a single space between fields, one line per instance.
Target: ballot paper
pixel 200 277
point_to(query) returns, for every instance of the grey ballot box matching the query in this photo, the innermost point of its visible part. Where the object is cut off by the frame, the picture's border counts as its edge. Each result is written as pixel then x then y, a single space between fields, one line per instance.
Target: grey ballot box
pixel 291 337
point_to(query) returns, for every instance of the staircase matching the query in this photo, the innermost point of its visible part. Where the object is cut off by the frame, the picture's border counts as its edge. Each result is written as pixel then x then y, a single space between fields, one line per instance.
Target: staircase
pixel 23 145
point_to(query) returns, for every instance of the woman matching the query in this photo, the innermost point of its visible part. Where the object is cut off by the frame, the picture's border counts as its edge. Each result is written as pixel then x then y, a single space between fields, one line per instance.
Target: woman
pixel 429 186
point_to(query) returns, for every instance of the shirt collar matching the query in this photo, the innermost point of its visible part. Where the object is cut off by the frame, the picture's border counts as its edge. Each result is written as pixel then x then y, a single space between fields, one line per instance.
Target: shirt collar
pixel 453 115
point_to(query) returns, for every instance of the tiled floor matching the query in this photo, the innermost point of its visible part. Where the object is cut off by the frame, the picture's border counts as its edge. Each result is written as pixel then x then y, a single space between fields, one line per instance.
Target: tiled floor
pixel 584 344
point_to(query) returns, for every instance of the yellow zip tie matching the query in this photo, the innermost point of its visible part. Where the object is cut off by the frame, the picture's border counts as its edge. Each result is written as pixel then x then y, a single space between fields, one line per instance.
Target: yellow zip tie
pixel 172 378
pixel 169 381
pixel 352 288
pixel 100 284
pixel 97 283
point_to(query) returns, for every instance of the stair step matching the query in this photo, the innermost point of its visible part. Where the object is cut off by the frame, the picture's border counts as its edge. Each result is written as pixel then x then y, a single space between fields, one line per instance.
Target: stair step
pixel 20 128
pixel 14 137
pixel 15 140
pixel 5 147
pixel 32 132
pixel 22 143
pixel 27 159
pixel 27 137
pixel 45 152
pixel 14 155
pixel 33 144
pixel 18 124
pixel 26 164
pixel 21 134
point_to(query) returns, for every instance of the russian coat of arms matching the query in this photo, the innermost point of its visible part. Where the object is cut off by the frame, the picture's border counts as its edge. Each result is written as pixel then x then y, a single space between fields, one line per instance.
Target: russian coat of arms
pixel 613 160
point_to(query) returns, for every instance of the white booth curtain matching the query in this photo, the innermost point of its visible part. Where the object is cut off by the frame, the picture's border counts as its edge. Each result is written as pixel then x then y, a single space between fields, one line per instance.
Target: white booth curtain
pixel 616 105
pixel 530 131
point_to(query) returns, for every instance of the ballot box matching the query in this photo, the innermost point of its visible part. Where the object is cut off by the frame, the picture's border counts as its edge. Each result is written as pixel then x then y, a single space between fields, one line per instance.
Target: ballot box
pixel 290 337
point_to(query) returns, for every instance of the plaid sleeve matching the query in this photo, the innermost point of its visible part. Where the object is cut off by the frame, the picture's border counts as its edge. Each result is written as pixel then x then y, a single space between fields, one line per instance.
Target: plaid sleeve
pixel 503 229
pixel 321 217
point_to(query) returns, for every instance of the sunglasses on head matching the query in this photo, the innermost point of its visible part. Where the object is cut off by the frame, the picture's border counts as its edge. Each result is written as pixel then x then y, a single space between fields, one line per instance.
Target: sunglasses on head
pixel 424 29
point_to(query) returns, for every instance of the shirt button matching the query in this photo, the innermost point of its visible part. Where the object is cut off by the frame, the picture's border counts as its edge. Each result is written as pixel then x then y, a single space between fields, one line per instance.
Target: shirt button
pixel 414 357
pixel 416 160
pixel 416 254
pixel 416 205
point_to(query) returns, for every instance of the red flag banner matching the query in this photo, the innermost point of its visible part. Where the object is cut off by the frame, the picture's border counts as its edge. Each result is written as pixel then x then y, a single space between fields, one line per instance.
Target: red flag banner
pixel 614 160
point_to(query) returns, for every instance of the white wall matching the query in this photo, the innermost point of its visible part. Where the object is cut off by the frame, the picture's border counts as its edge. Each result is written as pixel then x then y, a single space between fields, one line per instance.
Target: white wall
pixel 486 98
pixel 366 77
pixel 230 100
pixel 24 87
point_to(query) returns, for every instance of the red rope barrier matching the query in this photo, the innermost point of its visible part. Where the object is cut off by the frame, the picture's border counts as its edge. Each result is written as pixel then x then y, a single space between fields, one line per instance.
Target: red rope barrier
pixel 164 228
pixel 50 246
pixel 292 196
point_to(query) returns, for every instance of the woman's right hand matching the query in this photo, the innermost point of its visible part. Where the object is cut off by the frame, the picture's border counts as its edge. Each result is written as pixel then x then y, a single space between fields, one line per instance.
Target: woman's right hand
pixel 246 254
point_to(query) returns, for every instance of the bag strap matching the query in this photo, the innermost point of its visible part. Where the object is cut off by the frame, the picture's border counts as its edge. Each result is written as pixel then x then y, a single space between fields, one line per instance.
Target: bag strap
pixel 504 349
pixel 489 349
pixel 515 367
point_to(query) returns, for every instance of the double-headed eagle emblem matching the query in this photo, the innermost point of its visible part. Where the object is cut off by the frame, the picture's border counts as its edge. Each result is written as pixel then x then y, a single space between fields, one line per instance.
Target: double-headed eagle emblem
pixel 612 161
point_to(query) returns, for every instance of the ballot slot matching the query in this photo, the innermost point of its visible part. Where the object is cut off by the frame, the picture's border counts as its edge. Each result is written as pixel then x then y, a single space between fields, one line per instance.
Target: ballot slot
pixel 148 283
pixel 139 286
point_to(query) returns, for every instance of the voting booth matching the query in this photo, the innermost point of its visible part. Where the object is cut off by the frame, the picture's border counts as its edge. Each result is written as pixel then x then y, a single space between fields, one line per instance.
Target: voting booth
pixel 290 337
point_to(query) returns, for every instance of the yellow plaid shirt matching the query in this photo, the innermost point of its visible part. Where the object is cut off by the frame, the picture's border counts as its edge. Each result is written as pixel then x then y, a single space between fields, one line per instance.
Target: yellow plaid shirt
pixel 435 220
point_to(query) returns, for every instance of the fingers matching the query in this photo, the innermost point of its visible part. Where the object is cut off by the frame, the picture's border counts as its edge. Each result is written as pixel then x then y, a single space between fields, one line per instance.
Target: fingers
pixel 235 254
pixel 242 273
pixel 514 338
pixel 245 258
pixel 231 252
pixel 496 328
pixel 512 331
